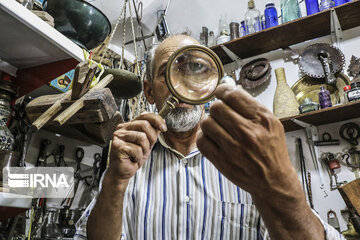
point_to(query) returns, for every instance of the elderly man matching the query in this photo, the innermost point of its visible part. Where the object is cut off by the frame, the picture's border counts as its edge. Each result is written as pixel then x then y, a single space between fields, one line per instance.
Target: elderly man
pixel 160 183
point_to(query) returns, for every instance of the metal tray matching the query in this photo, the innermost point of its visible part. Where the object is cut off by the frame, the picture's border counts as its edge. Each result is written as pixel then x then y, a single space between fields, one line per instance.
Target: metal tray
pixel 308 87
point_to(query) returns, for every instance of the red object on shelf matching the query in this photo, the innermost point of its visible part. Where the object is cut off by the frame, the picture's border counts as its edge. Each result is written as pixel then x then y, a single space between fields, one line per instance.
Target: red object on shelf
pixel 29 79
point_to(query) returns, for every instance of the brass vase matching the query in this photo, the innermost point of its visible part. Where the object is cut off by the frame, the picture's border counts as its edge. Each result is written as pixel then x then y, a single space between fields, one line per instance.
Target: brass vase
pixel 285 102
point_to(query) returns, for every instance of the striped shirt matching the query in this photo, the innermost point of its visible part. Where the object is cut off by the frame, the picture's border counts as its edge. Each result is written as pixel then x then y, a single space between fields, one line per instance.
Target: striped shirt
pixel 185 197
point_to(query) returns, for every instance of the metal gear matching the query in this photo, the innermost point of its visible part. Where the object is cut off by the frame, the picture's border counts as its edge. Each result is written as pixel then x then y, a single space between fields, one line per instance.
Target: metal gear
pixel 310 64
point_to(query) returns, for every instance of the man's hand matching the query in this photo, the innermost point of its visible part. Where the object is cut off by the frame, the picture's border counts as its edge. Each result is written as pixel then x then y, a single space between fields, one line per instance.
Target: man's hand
pixel 132 144
pixel 245 141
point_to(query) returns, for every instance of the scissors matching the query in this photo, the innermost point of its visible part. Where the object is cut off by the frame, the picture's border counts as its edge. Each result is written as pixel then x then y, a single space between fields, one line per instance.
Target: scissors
pixel 79 156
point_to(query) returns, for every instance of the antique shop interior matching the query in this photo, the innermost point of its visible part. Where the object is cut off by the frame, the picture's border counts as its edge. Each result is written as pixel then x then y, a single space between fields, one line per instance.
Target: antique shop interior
pixel 71 71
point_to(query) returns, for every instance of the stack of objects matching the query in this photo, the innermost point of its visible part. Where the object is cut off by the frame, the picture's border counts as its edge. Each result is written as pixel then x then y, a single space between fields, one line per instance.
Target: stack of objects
pixel 90 115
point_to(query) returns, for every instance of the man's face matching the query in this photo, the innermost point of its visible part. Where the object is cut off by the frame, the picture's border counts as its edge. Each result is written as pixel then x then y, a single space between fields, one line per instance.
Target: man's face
pixel 184 112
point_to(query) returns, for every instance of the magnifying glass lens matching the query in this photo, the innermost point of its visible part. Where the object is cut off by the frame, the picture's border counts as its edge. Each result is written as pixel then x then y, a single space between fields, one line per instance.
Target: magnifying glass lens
pixel 194 75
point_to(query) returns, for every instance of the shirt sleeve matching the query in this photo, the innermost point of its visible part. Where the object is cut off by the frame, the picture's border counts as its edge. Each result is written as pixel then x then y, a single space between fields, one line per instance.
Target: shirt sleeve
pixel 330 232
pixel 80 225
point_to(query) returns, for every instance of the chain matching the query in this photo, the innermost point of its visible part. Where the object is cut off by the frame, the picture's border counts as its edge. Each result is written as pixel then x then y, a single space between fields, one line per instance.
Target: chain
pixel 112 33
pixel 309 190
pixel 133 34
pixel 123 38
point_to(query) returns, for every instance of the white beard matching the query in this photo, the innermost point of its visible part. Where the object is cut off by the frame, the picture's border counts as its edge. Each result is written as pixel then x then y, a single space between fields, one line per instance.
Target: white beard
pixel 183 119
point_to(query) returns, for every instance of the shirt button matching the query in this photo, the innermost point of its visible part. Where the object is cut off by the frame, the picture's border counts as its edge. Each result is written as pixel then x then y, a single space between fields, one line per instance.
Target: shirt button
pixel 185 161
pixel 187 199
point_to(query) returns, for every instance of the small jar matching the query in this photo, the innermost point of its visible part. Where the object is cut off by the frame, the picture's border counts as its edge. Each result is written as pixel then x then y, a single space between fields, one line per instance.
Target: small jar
pixel 324 98
pixel 346 89
pixel 308 106
pixel 223 38
pixel 354 93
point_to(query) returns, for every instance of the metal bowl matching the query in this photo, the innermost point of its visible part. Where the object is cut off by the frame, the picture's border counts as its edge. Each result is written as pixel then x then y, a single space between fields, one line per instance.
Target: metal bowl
pixel 78 20
pixel 308 87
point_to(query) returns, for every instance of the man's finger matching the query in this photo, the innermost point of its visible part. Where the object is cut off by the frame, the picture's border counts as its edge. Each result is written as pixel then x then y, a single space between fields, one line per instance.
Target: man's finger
pixel 240 100
pixel 227 118
pixel 207 147
pixel 127 150
pixel 138 138
pixel 155 120
pixel 146 127
pixel 216 133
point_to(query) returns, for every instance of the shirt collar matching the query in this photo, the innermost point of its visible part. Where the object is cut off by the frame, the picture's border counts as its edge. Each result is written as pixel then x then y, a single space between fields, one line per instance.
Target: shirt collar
pixel 162 141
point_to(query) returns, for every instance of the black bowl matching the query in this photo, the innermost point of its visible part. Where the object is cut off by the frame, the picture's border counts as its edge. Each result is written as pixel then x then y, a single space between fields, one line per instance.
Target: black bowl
pixel 78 20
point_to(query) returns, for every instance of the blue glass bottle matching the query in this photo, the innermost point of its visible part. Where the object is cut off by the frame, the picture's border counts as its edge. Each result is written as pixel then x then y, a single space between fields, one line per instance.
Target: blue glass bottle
pixel 312 6
pixel 339 2
pixel 243 30
pixel 271 17
pixel 326 4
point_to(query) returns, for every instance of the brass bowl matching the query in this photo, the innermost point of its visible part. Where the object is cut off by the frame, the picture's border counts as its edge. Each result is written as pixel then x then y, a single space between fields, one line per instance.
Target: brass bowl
pixel 308 87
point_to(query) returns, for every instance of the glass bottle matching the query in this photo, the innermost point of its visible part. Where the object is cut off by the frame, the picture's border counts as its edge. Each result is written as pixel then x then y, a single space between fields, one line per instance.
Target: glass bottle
pixel 354 93
pixel 224 33
pixel 285 102
pixel 271 16
pixel 243 31
pixel 252 18
pixel 308 106
pixel 211 39
pixel 290 10
pixel 312 6
pixel 339 2
pixel 326 4
pixel 324 98
pixel 28 4
pixel 50 230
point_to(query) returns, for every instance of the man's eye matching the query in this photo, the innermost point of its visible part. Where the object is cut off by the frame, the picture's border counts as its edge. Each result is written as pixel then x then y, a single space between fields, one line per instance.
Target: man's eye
pixel 193 68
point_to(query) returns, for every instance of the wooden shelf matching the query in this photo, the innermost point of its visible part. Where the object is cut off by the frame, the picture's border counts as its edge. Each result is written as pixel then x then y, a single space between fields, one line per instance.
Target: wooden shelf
pixel 31 49
pixel 324 116
pixel 285 35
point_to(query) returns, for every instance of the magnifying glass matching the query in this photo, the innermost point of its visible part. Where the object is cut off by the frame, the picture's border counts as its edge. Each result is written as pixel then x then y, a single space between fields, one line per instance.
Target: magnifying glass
pixel 192 75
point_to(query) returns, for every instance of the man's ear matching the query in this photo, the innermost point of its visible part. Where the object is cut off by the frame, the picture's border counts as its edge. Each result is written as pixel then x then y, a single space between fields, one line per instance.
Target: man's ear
pixel 148 91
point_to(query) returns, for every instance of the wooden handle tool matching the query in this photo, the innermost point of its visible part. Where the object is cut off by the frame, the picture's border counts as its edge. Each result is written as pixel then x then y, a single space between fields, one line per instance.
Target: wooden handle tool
pixel 48 114
pixel 77 105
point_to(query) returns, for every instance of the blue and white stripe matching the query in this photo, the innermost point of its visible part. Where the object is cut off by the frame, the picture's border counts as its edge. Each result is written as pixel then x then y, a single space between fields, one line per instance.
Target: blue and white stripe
pixel 185 197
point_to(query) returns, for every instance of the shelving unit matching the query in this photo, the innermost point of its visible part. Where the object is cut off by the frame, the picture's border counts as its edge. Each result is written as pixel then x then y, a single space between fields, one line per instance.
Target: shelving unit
pixel 31 50
pixel 285 35
pixel 324 116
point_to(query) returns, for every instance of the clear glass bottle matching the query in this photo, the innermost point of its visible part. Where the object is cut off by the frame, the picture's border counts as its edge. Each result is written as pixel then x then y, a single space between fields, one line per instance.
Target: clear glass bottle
pixel 211 39
pixel 271 16
pixel 326 4
pixel 50 230
pixel 290 10
pixel 252 18
pixel 224 32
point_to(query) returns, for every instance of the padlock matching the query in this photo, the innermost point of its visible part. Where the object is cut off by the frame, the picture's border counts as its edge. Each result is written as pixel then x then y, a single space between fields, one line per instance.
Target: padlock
pixel 334 164
pixel 333 220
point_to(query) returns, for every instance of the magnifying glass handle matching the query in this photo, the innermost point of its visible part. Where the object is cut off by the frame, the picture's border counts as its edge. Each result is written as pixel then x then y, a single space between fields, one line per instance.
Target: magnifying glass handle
pixel 170 105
